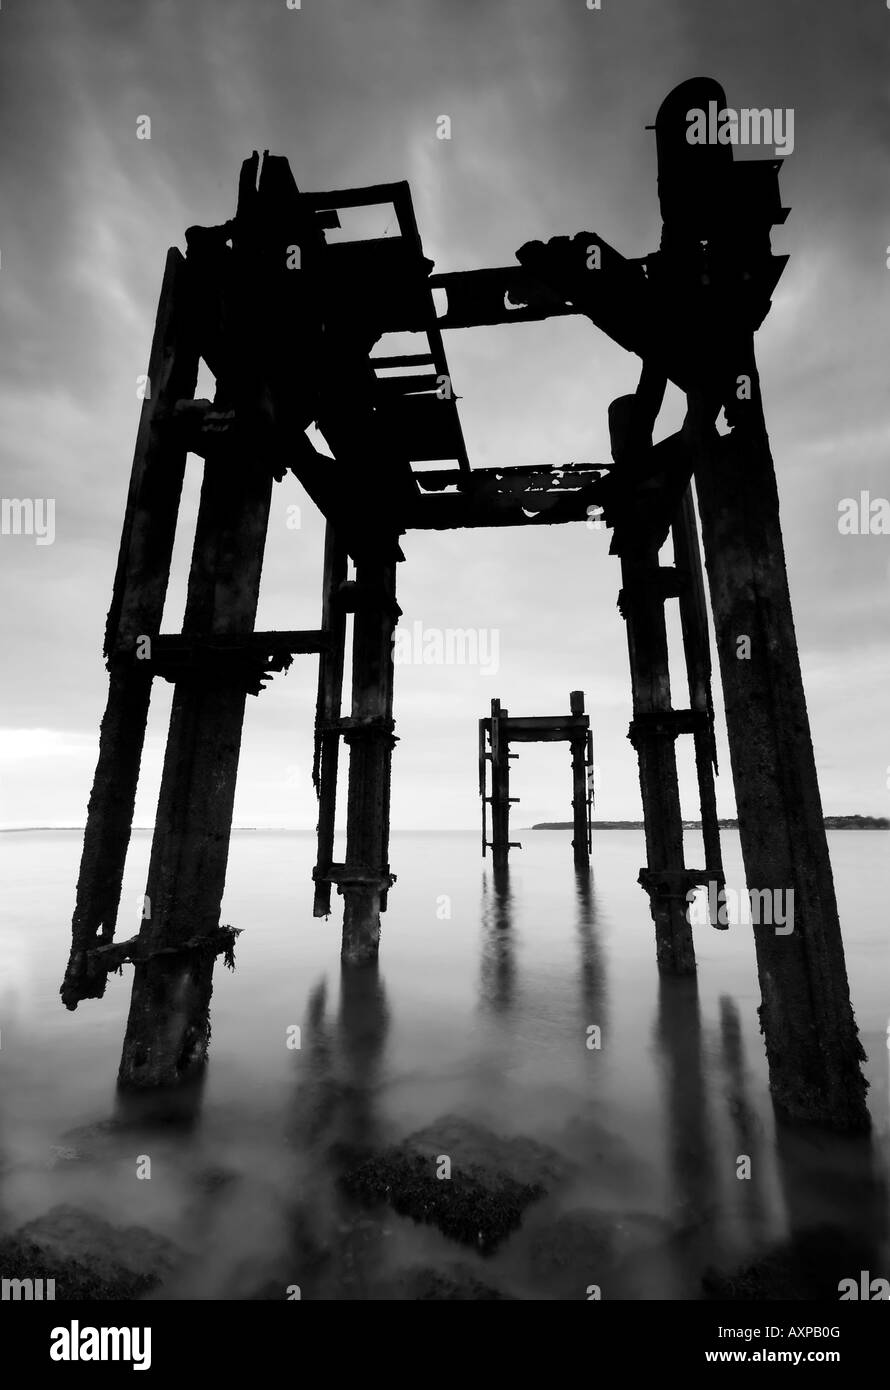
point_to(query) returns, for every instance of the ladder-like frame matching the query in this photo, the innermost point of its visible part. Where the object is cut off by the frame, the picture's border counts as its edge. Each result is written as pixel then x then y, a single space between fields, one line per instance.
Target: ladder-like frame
pixel 496 733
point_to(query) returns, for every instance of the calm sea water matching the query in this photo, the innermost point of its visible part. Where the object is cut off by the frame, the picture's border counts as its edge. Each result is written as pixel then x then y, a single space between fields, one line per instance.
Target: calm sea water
pixel 482 1015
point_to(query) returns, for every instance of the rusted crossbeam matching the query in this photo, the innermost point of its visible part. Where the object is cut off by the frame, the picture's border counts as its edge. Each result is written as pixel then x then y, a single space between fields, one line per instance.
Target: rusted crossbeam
pixel 507 497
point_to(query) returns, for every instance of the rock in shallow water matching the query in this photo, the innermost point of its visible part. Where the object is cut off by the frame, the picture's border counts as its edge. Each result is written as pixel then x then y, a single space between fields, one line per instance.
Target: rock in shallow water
pixel 492 1181
pixel 87 1257
pixel 453 1283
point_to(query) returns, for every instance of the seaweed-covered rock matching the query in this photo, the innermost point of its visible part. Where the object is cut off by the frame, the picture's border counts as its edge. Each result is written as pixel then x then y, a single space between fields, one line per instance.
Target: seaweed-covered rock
pixel 474 1146
pixel 454 1283
pixel 492 1182
pixel 474 1211
pixel 87 1257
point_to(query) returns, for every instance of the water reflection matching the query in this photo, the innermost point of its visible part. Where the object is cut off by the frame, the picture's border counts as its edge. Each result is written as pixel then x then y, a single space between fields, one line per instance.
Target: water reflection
pixel 836 1200
pixel 343 1062
pixel 178 1106
pixel 362 1026
pixel 334 1124
pixel 497 966
pixel 591 956
pixel 678 1038
pixel 746 1125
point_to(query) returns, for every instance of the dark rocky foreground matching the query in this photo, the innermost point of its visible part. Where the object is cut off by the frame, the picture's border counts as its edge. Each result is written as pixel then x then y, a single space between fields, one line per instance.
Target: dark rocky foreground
pixel 513 1220
pixel 87 1257
pixel 380 1226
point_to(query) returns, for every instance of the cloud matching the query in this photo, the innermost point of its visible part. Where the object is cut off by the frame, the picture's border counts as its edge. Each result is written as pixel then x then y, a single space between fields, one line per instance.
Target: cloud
pixel 548 106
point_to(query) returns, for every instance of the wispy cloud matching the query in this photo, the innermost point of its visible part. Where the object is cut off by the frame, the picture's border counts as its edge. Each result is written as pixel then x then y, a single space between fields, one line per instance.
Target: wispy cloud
pixel 548 106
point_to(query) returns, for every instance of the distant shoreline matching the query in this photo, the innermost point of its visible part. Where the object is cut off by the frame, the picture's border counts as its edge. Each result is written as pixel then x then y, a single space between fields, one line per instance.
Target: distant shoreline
pixel 238 830
pixel 831 823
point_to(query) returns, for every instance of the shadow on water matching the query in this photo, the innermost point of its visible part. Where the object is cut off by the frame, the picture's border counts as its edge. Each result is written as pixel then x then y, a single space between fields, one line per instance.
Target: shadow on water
pixel 592 972
pixel 340 1075
pixel 497 972
pixel 691 1159
pixel 276 1226
pixel 178 1107
pixel 719 1165
pixel 831 1218
pixel 745 1124
pixel 836 1201
pixel 835 1205
pixel 333 1123
pixel 833 1194
pixel 497 965
pixel 726 1239
pixel 362 1027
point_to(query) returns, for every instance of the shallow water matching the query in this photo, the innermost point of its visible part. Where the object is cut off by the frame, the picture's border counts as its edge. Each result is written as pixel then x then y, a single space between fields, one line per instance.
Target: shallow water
pixel 482 1015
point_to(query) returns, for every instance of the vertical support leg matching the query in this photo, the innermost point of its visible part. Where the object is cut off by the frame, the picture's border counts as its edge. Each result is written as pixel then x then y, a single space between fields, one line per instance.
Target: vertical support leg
pixel 579 788
pixel 107 834
pixel 168 1027
pixel 656 752
pixel 696 648
pixel 327 713
pixel 631 419
pixel 500 789
pixel 483 785
pixel 387 805
pixel 812 1042
pixel 137 604
pixel 370 739
pixel 591 790
pixel 168 1024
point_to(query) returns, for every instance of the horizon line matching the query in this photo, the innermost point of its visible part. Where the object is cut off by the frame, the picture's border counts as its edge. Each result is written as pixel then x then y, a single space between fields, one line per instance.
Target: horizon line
pixel 615 822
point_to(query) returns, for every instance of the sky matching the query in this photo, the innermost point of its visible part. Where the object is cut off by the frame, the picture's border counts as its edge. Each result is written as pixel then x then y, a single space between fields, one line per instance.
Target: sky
pixel 548 102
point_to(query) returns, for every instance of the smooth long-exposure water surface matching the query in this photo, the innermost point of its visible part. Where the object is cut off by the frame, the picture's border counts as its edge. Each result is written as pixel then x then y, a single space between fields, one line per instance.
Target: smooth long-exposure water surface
pixel 478 1014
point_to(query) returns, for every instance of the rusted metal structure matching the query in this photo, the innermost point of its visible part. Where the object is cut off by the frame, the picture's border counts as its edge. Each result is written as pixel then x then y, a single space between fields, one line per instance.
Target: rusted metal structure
pixel 286 320
pixel 495 736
